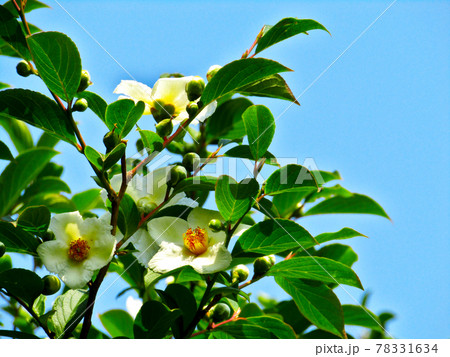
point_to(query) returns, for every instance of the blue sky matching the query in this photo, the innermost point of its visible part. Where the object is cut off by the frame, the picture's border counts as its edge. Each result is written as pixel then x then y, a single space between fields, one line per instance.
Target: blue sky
pixel 379 115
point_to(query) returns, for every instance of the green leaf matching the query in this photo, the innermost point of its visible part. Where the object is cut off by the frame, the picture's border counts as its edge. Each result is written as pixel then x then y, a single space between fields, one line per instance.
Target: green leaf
pixel 152 141
pixel 290 178
pixel 234 199
pixel 5 263
pixel 30 6
pixel 39 305
pixel 34 220
pixel 339 252
pixel 5 154
pixel 181 275
pixel 118 323
pixel 11 33
pixel 226 122
pixel 243 329
pixel 94 157
pixel 196 183
pixel 17 240
pixel 292 315
pixel 355 204
pixel 287 203
pixel 47 140
pixel 57 61
pixel 251 310
pixel 271 237
pixel 129 216
pixel 21 283
pixel 260 127
pixel 95 103
pixel 69 309
pixel 344 233
pixel 286 28
pixel 55 202
pixel 114 156
pixel 273 87
pixel 4 85
pixel 88 200
pixel 154 320
pixel 325 176
pixel 51 170
pixel 17 334
pixel 46 184
pixel 18 133
pixel 37 110
pixel 244 152
pixel 275 326
pixel 316 268
pixel 123 114
pixel 360 316
pixel 238 74
pixel 18 175
pixel 317 303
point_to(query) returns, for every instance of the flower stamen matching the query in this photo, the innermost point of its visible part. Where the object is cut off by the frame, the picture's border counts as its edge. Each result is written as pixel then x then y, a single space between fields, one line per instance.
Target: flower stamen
pixel 196 240
pixel 78 250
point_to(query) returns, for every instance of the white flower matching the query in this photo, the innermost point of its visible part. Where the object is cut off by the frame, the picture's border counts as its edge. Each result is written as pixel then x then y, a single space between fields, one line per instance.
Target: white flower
pixel 189 242
pixel 168 97
pixel 80 247
pixel 149 190
pixel 133 306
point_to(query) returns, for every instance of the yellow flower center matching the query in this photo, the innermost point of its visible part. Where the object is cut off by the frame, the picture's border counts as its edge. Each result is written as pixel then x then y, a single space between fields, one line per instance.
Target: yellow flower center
pixel 78 250
pixel 196 240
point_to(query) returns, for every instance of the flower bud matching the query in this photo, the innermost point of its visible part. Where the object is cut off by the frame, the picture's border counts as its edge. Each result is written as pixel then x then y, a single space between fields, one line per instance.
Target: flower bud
pixel 212 71
pixel 192 109
pixel 80 105
pixel 175 175
pixel 48 236
pixel 2 249
pixel 194 88
pixel 111 140
pixel 145 205
pixel 161 111
pixel 23 69
pixel 263 264
pixel 240 273
pixel 85 81
pixel 51 284
pixel 170 280
pixel 216 225
pixel 164 128
pixel 221 312
pixel 191 161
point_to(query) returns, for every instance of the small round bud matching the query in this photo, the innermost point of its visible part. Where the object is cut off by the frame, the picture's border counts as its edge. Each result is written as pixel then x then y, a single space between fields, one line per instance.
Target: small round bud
pixel 212 71
pixel 85 81
pixel 145 205
pixel 240 273
pixel 164 128
pixel 216 225
pixel 51 284
pixel 191 161
pixel 262 265
pixel 272 259
pixel 221 312
pixel 80 105
pixel 192 109
pixel 48 236
pixel 23 69
pixel 175 175
pixel 2 249
pixel 111 140
pixel 161 110
pixel 194 88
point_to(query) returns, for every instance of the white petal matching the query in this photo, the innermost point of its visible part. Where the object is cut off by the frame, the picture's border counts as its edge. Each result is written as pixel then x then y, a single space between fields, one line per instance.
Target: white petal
pixel 241 229
pixel 172 91
pixel 76 276
pixel 206 112
pixel 216 258
pixel 65 226
pixel 200 217
pixel 54 255
pixel 136 91
pixel 133 306
pixel 168 229
pixel 170 257
pixel 145 245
